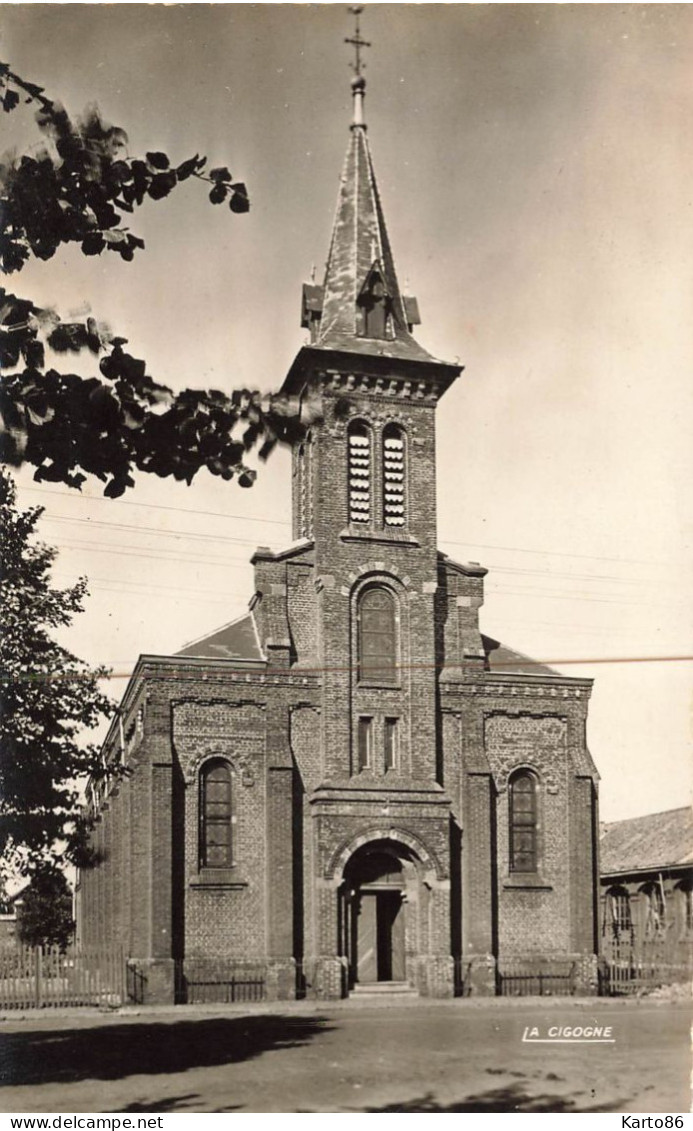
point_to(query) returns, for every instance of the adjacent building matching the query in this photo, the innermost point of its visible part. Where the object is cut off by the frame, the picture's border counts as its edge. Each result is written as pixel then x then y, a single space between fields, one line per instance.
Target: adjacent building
pixel 647 897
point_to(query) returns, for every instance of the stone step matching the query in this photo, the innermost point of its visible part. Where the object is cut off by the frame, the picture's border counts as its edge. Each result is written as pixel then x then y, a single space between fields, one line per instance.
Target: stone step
pixel 376 988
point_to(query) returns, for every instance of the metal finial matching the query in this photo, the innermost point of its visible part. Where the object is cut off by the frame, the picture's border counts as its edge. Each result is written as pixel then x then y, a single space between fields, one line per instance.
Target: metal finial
pixel 357 42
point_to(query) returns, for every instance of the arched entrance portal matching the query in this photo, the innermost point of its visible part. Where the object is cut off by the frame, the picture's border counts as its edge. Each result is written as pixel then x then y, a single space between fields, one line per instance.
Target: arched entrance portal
pixel 376 879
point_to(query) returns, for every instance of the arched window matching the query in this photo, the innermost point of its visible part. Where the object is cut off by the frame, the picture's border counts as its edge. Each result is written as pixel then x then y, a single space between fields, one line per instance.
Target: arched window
pixel 523 822
pixel 215 815
pixel 654 910
pixel 684 899
pixel 359 472
pixel 377 633
pixel 619 922
pixel 394 494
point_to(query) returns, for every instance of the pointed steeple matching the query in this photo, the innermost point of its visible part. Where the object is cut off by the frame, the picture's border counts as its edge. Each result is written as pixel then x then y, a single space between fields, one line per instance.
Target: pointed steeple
pixel 360 307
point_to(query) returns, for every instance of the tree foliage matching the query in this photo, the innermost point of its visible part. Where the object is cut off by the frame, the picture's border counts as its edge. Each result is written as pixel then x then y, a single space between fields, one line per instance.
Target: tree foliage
pixel 79 188
pixel 47 697
pixel 44 915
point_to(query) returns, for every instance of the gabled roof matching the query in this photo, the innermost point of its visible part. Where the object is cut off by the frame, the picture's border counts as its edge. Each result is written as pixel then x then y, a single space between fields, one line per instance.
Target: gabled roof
pixel 359 243
pixel 235 641
pixel 655 841
pixel 503 659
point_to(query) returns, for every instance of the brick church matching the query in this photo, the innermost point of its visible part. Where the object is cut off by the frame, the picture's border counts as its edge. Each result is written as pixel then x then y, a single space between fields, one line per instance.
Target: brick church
pixel 350 788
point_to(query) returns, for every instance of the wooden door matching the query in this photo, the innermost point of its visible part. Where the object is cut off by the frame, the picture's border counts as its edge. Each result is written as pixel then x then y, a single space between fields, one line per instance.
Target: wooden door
pixel 366 945
pixel 390 937
pixel 397 942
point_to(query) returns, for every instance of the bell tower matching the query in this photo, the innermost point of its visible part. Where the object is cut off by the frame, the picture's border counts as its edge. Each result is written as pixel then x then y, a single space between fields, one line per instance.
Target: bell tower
pixel 364 490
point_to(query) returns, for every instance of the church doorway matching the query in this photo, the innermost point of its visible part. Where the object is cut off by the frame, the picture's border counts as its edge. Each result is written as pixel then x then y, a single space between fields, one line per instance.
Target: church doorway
pixel 375 917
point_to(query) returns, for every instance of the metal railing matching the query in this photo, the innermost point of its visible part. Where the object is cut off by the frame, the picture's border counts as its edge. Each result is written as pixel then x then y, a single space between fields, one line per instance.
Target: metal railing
pixel 202 981
pixel 556 979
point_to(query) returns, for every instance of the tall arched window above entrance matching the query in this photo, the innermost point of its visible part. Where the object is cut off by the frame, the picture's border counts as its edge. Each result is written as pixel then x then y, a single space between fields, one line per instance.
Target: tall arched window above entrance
pixel 215 815
pixel 394 472
pixel 377 636
pixel 359 471
pixel 523 822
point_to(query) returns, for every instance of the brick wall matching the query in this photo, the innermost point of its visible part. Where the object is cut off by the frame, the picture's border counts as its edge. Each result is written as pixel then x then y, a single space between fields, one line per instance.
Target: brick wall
pixel 288 734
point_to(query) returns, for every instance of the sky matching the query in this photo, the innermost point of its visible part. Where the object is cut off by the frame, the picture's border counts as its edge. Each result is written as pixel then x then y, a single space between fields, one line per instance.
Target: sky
pixel 537 190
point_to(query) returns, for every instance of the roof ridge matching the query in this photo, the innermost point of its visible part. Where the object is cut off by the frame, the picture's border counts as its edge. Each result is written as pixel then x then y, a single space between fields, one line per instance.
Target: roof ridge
pixel 649 816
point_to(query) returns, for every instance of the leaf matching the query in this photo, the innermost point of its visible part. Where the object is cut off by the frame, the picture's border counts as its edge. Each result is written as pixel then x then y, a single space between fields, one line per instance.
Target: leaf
pixel 239 200
pixel 158 160
pixel 133 415
pixel 120 172
pixel 32 89
pixel 218 194
pixel 161 185
pixel 10 100
pixel 93 243
pixel 220 174
pixel 34 354
pixel 267 448
pixel 115 489
pixel 187 168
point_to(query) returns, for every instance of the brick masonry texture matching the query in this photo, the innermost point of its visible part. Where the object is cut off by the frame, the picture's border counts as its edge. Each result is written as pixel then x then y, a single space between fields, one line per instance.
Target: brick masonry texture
pixel 306 820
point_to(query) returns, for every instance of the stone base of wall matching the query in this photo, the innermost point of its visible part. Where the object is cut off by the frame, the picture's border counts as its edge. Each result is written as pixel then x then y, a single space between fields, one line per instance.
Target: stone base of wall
pixel 587 974
pixel 281 979
pixel 479 976
pixel 325 978
pixel 435 975
pixel 154 979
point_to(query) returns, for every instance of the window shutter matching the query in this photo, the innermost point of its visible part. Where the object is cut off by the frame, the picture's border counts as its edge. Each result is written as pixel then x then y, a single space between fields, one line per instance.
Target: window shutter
pixel 393 477
pixel 359 473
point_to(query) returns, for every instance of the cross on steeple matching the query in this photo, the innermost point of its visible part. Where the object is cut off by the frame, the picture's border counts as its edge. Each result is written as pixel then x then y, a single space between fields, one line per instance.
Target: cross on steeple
pixel 357 42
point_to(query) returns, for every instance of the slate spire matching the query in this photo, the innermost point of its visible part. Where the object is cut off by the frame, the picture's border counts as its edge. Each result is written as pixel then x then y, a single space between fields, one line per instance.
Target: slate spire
pixel 360 307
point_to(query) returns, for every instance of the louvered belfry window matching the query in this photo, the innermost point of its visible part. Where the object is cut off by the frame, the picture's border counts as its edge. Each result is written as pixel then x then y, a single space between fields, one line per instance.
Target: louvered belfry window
pixel 377 636
pixel 394 494
pixel 360 473
pixel 215 815
pixel 523 823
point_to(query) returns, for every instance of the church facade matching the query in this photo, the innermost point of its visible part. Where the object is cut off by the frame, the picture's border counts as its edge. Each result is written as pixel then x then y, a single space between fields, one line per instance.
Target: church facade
pixel 351 787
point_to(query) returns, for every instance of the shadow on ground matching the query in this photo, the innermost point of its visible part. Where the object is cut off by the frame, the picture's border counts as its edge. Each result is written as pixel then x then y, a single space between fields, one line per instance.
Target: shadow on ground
pixel 187 1103
pixel 111 1052
pixel 513 1097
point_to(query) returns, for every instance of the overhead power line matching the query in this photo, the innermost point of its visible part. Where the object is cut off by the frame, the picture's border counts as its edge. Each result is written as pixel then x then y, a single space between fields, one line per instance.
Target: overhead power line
pixel 286 523
pixel 138 528
pixel 500 669
pixel 197 536
pixel 159 507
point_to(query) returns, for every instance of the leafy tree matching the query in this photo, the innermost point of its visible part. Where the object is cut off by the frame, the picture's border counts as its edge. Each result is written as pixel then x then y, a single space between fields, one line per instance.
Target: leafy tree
pixel 47 697
pixel 44 915
pixel 79 188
